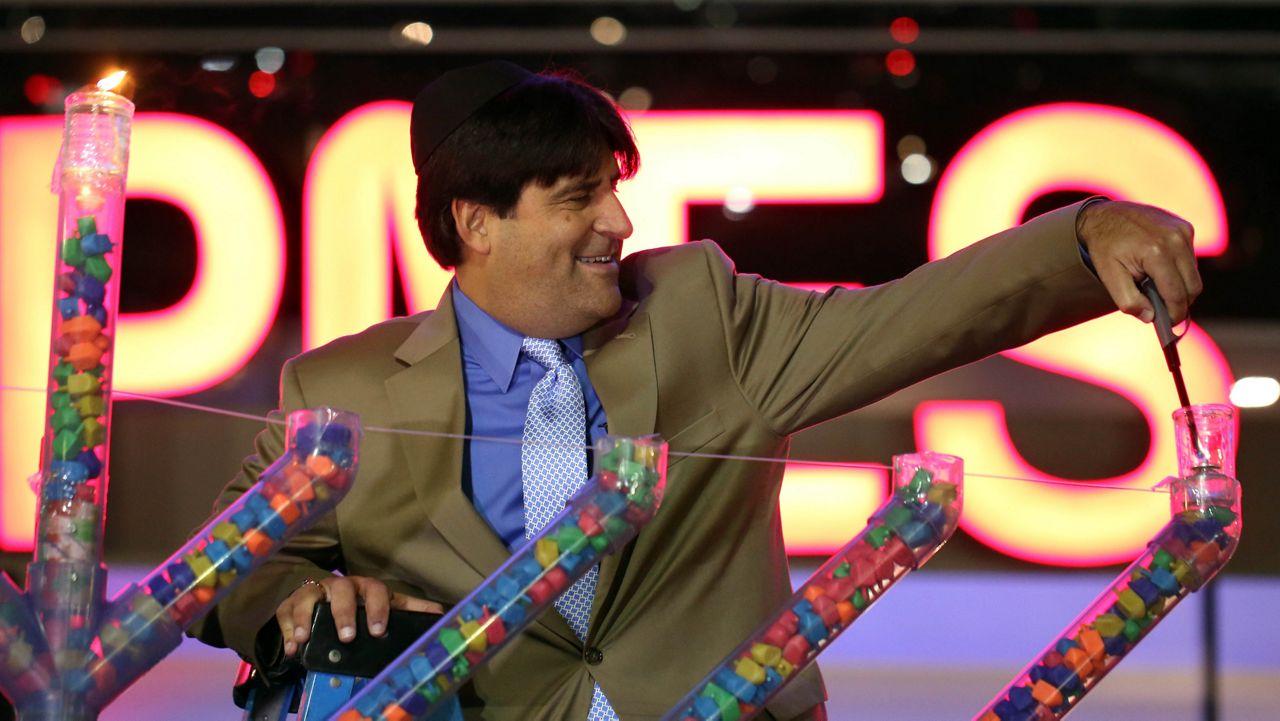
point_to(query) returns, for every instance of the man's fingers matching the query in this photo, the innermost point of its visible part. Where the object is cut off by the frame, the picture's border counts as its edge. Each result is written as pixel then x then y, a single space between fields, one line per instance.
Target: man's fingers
pixel 300 615
pixel 376 603
pixel 1173 290
pixel 1122 287
pixel 294 616
pixel 1190 277
pixel 284 619
pixel 1128 241
pixel 342 602
pixel 344 594
pixel 410 603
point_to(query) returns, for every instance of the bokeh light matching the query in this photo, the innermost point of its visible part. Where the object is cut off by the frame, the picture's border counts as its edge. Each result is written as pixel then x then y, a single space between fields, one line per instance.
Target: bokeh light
pixel 269 59
pixel 418 33
pixel 636 98
pixel 32 29
pixel 738 201
pixel 262 83
pixel 1255 392
pixel 218 64
pixel 42 90
pixel 608 31
pixel 917 168
pixel 904 30
pixel 910 144
pixel 900 62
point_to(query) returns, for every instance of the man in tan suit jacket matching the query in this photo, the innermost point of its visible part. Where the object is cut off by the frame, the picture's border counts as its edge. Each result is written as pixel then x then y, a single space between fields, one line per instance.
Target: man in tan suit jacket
pixel 675 343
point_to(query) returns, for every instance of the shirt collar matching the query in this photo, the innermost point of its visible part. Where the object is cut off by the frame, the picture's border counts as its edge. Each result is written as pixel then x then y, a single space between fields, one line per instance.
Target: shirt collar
pixel 493 345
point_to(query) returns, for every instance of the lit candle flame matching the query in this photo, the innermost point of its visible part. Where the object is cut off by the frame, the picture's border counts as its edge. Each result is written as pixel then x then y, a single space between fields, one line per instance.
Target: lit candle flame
pixel 112 81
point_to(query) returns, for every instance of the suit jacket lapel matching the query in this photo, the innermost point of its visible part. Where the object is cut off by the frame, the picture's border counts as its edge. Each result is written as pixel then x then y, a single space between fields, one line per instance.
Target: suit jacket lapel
pixel 619 357
pixel 428 396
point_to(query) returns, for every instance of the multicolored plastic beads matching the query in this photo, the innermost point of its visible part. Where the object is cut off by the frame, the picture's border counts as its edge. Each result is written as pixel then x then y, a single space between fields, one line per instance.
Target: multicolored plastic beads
pixel 622 497
pixel 902 535
pixel 1180 559
pixel 146 620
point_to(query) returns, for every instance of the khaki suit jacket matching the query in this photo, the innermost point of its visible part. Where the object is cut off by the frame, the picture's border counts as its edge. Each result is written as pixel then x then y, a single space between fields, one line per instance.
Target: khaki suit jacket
pixel 713 361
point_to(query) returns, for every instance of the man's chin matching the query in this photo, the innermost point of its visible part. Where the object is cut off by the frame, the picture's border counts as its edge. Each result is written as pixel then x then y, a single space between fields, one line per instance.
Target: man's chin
pixel 614 303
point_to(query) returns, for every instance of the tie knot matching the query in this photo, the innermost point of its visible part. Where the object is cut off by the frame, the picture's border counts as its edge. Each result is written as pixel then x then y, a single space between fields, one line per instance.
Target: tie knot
pixel 547 353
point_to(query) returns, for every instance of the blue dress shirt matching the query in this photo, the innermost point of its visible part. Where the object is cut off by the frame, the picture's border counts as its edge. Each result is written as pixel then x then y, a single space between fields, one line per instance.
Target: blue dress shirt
pixel 498 380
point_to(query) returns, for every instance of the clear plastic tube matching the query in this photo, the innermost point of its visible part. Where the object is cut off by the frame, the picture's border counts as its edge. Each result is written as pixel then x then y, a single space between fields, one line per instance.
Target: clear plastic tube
pixel 1185 555
pixel 90 183
pixel 616 503
pixel 145 621
pixel 901 536
pixel 66 578
pixel 26 666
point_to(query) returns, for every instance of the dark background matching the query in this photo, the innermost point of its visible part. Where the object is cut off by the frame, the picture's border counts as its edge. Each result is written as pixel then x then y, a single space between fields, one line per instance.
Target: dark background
pixel 1209 70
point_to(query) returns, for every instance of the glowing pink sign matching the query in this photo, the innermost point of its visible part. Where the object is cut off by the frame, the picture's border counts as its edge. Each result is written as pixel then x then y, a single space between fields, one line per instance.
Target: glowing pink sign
pixel 358 215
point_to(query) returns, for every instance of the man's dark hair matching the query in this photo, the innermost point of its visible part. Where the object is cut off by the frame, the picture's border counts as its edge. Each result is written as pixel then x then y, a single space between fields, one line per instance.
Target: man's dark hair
pixel 545 128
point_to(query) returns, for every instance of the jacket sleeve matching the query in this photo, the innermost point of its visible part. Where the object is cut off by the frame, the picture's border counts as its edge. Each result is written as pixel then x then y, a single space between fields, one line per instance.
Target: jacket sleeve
pixel 245 619
pixel 802 358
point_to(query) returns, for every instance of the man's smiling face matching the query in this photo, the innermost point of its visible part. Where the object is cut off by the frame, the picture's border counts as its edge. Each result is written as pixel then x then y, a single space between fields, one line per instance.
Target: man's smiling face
pixel 552 266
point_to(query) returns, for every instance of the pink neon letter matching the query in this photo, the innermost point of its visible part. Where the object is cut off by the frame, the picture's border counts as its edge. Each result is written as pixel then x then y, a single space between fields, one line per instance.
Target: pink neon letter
pixel 986 189
pixel 360 190
pixel 204 338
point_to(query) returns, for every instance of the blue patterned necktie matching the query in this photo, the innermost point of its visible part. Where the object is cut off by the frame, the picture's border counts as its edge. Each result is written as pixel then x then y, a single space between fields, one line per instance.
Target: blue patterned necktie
pixel 553 465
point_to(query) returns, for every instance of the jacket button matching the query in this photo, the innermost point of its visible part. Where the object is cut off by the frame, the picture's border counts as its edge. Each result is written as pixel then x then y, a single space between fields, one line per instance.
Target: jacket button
pixel 593 656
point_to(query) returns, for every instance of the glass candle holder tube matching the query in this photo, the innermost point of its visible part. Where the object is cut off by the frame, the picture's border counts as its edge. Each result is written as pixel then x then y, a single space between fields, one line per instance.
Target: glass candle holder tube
pixel 619 500
pixel 90 182
pixel 1181 558
pixel 901 536
pixel 66 578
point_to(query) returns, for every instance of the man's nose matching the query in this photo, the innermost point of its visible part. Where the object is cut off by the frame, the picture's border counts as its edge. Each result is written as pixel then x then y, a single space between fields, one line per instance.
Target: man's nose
pixel 613 221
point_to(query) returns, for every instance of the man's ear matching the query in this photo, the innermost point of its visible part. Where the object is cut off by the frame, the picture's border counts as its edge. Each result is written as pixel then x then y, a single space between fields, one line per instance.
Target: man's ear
pixel 473 223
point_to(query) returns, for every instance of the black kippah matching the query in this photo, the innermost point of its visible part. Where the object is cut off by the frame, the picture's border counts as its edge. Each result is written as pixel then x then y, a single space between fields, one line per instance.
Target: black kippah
pixel 447 102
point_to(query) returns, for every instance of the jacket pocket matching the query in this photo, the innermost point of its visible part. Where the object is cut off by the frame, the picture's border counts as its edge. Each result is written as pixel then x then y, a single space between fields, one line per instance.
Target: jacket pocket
pixel 694 436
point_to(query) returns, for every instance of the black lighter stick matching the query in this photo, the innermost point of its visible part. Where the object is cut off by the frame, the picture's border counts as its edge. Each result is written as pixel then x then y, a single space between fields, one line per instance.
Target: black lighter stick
pixel 1169 344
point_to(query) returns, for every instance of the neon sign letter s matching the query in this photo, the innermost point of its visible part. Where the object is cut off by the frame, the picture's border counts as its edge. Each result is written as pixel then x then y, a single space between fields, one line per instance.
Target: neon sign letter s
pixel 988 187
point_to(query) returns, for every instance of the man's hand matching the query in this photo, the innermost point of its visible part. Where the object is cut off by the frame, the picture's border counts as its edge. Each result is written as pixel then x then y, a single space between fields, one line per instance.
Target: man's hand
pixel 342 593
pixel 1128 242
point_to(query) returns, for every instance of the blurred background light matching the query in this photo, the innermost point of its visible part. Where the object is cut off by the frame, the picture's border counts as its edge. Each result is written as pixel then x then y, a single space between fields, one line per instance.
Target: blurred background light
pixel 900 62
pixel 262 83
pixel 910 144
pixel 917 168
pixel 1255 392
pixel 904 30
pixel 636 98
pixel 738 202
pixel 42 90
pixel 32 29
pixel 418 33
pixel 608 31
pixel 217 64
pixel 269 59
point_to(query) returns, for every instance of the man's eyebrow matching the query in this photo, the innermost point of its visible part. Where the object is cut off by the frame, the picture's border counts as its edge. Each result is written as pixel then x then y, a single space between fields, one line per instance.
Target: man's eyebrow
pixel 577 187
